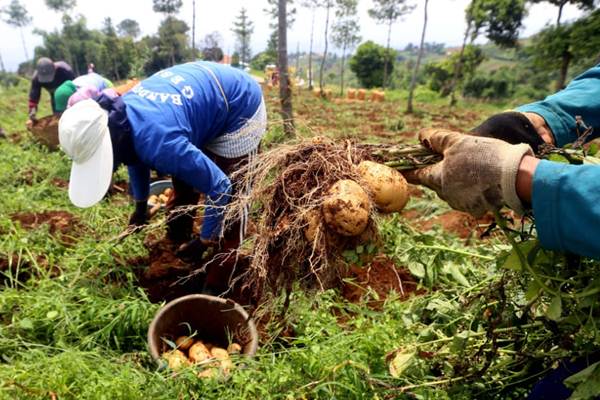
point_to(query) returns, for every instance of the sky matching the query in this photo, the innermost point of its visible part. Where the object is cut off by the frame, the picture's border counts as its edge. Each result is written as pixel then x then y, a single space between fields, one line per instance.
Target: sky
pixel 446 23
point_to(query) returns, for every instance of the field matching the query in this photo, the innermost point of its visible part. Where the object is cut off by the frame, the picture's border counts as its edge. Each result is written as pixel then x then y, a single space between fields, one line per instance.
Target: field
pixel 434 298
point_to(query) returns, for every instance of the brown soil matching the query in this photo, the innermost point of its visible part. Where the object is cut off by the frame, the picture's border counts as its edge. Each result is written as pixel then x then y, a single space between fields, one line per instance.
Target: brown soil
pixel 461 224
pixel 14 267
pixel 62 224
pixel 382 276
pixel 59 182
pixel 165 277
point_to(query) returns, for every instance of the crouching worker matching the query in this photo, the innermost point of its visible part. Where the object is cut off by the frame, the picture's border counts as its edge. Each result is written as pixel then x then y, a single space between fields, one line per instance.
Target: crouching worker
pixel 197 122
pixel 48 75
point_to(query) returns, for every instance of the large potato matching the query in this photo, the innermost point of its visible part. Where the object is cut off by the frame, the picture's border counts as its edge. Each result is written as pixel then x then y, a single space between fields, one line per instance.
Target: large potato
pixel 176 359
pixel 346 208
pixel 184 342
pixel 198 352
pixel 387 186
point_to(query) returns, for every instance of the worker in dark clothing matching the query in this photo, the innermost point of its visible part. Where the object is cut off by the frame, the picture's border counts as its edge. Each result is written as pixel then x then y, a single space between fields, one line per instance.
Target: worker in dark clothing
pixel 48 75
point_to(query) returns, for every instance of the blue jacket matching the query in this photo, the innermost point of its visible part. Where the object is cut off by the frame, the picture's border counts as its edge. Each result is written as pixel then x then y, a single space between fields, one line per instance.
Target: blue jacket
pixel 566 198
pixel 174 114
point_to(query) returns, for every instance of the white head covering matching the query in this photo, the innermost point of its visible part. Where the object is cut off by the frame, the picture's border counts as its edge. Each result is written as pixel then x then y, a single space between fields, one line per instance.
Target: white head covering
pixel 83 134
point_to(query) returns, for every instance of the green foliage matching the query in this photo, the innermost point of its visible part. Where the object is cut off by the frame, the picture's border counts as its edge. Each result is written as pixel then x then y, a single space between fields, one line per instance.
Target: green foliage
pixel 60 5
pixel 242 29
pixel 368 64
pixel 440 73
pixel 501 20
pixel 129 27
pixel 388 11
pixel 168 7
pixel 211 47
pixel 170 47
pixel 498 84
pixel 15 14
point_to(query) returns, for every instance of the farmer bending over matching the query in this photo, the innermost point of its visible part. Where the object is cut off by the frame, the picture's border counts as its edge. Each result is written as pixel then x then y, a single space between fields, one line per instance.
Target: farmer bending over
pixel 480 173
pixel 197 122
pixel 48 75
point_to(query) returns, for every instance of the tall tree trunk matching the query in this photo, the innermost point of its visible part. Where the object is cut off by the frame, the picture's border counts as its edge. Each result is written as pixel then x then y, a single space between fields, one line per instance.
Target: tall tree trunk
pixel 325 50
pixel 560 10
pixel 2 64
pixel 285 93
pixel 564 69
pixel 24 45
pixel 194 29
pixel 310 50
pixel 387 53
pixel 413 80
pixel 458 66
pixel 342 70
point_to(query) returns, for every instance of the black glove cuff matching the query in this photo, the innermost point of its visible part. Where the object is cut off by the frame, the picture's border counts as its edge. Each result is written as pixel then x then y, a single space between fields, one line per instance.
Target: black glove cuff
pixel 512 127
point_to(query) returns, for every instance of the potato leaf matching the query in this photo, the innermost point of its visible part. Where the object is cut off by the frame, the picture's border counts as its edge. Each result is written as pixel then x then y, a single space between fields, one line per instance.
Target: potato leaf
pixel 586 383
pixel 554 309
pixel 399 363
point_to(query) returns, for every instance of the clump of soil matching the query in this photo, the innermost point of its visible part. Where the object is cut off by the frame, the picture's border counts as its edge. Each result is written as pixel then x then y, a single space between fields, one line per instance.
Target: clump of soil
pixel 61 224
pixel 382 276
pixel 165 277
pixel 15 268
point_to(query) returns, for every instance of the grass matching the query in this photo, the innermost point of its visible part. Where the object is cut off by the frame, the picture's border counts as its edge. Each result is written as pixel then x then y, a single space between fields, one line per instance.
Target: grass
pixel 76 328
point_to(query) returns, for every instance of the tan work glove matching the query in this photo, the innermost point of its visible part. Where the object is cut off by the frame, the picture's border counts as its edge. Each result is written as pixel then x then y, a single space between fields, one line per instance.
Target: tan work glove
pixel 477 174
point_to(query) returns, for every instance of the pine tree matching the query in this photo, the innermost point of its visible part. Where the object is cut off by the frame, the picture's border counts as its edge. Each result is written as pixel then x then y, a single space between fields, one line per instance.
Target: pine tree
pixel 243 29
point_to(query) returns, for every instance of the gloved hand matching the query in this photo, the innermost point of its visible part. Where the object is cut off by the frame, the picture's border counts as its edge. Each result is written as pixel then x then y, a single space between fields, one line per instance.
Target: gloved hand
pixel 32 113
pixel 193 250
pixel 140 215
pixel 476 174
pixel 515 127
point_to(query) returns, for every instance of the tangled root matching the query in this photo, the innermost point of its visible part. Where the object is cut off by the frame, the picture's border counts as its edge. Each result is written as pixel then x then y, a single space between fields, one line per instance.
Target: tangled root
pixel 288 184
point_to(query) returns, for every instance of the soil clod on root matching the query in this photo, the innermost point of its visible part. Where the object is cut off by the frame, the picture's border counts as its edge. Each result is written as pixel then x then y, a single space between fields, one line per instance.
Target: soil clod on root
pixel 289 184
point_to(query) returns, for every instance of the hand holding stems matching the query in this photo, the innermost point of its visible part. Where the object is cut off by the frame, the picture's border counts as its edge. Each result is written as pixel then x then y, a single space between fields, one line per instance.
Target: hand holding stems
pixel 477 174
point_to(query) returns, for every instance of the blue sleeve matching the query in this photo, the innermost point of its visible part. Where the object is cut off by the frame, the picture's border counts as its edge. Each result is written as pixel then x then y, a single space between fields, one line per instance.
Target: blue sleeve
pixel 180 158
pixel 581 97
pixel 566 206
pixel 139 178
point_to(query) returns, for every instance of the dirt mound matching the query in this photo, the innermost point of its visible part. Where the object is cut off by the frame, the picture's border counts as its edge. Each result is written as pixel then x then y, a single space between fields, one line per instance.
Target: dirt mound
pixel 61 224
pixel 165 277
pixel 13 267
pixel 45 131
pixel 382 276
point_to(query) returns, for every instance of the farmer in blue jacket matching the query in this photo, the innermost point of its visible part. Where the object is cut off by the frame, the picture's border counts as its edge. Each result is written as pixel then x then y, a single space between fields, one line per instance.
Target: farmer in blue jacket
pixel 196 122
pixel 565 199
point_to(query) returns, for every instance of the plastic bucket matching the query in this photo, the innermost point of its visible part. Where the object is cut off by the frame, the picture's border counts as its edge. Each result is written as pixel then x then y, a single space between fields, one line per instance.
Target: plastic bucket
pixel 214 320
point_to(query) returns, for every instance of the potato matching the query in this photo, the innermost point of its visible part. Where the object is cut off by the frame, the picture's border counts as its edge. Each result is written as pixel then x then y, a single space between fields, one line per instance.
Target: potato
pixel 153 199
pixel 219 353
pixel 313 225
pixel 346 208
pixel 168 192
pixel 176 359
pixel 386 185
pixel 198 352
pixel 163 199
pixel 234 348
pixel 184 342
pixel 207 373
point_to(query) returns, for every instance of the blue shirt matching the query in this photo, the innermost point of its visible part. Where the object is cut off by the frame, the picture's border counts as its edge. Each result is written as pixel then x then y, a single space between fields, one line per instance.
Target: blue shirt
pixel 566 198
pixel 174 114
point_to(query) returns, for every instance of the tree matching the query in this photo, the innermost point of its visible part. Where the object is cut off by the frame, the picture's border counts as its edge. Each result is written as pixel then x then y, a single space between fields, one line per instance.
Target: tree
pixel 368 63
pixel 168 7
pixel 273 11
pixel 582 4
pixel 194 28
pixel 313 5
pixel 129 27
pixel 211 47
pixel 243 29
pixel 501 20
pixel 61 5
pixel 15 14
pixel 285 92
pixel 387 12
pixel 441 73
pixel 327 4
pixel 345 32
pixel 413 79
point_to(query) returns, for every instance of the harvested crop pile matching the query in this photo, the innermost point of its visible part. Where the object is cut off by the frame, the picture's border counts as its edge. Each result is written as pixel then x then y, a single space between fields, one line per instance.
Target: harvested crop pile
pixel 309 203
